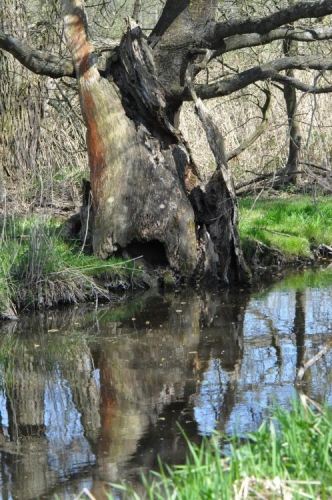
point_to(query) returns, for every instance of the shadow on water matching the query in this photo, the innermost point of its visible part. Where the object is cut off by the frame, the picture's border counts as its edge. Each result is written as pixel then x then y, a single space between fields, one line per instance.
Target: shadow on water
pixel 89 397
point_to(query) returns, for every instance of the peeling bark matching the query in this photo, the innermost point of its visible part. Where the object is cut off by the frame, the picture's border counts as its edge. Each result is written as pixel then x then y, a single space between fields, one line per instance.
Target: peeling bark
pixel 216 206
pixel 135 164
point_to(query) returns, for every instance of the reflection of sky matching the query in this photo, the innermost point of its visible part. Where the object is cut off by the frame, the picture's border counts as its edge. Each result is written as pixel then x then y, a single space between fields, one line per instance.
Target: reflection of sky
pixel 68 449
pixel 268 367
pixel 210 397
pixel 62 420
pixel 318 312
pixel 3 409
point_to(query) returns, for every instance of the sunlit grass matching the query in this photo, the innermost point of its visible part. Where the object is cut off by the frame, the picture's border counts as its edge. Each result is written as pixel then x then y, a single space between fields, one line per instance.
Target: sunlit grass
pixel 290 225
pixel 290 456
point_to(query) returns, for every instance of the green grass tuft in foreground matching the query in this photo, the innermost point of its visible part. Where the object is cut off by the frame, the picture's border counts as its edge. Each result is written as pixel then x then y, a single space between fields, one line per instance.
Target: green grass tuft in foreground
pixel 288 457
pixel 38 268
pixel 290 225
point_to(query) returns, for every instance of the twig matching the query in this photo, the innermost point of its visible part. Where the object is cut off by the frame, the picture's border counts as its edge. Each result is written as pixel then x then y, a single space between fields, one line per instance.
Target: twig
pixel 275 232
pixel 87 223
pixel 314 165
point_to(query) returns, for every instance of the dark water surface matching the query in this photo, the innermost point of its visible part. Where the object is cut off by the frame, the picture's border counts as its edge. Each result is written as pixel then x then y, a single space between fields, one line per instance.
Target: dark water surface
pixel 94 396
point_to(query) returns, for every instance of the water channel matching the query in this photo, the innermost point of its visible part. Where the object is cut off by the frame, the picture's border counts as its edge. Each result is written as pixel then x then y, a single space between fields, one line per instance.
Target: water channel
pixel 91 396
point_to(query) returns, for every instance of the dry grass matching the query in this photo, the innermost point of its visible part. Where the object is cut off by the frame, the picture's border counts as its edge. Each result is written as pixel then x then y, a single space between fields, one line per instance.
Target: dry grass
pixel 265 489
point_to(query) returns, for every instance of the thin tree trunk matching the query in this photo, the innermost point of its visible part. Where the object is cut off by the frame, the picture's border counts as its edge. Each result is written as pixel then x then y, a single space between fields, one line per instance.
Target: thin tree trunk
pixel 292 165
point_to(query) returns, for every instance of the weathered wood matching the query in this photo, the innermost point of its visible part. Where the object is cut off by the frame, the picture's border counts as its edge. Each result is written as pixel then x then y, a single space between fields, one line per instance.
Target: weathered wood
pixel 216 205
pixel 137 194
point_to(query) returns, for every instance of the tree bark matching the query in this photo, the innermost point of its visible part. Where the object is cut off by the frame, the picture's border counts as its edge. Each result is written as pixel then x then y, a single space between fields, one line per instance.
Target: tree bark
pixel 140 165
pixel 292 166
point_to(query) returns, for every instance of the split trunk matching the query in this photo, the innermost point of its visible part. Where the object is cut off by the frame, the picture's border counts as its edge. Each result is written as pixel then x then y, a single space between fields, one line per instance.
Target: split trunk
pixel 146 194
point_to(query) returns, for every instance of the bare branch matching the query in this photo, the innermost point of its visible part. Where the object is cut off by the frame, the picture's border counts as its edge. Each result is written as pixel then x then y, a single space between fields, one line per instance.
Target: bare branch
pixel 303 87
pixel 268 71
pixel 248 141
pixel 263 25
pixel 37 61
pixel 300 34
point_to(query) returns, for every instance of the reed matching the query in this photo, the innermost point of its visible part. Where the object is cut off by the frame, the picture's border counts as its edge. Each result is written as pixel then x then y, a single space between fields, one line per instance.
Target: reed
pixel 40 269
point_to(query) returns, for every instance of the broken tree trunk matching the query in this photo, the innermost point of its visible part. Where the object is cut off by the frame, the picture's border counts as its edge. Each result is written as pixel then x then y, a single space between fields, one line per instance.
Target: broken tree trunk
pixel 136 194
pixel 140 165
pixel 216 204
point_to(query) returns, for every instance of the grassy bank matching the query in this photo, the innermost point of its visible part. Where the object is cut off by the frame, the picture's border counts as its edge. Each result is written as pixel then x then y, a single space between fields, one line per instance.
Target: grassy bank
pixel 39 268
pixel 289 457
pixel 291 225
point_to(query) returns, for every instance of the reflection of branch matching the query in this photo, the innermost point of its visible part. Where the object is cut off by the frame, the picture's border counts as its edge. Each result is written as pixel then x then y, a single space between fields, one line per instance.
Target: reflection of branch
pixel 312 361
pixel 248 141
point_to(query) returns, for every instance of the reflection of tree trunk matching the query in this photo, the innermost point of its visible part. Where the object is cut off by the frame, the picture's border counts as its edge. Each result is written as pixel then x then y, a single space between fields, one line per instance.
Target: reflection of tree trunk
pixel 222 339
pixel 299 328
pixel 223 334
pixel 145 380
pixel 26 403
pixel 290 49
pixel 85 392
pixel 26 414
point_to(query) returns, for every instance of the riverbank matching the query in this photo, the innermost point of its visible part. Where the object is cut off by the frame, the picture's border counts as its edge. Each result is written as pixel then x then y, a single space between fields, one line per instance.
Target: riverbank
pixel 41 268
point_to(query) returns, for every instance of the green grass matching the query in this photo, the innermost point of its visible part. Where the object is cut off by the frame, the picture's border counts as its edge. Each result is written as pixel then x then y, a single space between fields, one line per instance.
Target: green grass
pixel 39 268
pixel 290 225
pixel 288 457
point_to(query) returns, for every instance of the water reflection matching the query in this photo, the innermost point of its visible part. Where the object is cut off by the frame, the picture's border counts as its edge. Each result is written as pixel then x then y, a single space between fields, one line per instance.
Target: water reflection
pixel 89 397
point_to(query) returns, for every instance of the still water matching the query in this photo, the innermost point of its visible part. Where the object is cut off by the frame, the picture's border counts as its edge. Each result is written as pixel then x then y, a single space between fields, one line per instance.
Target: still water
pixel 91 396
